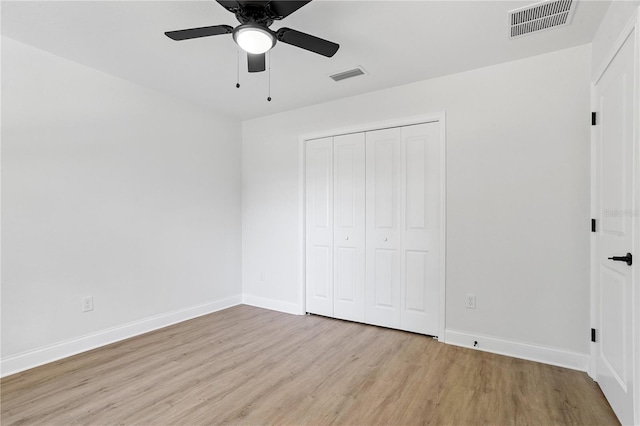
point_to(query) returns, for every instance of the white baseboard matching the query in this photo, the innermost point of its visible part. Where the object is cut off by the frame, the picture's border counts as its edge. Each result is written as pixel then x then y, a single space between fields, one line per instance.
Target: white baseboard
pixel 274 305
pixel 44 355
pixel 543 354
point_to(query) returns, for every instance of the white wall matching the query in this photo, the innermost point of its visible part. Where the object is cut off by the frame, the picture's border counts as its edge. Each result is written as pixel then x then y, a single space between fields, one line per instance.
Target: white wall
pixel 517 199
pixel 111 190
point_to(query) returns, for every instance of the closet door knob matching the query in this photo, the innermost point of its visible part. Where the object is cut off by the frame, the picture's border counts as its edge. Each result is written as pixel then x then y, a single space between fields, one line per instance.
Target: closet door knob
pixel 346 238
pixel 385 238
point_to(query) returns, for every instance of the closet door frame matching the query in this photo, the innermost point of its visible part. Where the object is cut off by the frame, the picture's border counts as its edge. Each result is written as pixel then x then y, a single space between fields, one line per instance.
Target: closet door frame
pixel 439 117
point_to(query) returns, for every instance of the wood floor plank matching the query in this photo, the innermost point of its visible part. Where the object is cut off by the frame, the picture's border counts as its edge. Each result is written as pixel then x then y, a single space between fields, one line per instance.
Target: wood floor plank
pixel 246 365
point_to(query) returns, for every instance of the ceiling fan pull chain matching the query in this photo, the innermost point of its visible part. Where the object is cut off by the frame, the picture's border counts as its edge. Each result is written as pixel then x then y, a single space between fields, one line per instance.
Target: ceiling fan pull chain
pixel 269 76
pixel 238 70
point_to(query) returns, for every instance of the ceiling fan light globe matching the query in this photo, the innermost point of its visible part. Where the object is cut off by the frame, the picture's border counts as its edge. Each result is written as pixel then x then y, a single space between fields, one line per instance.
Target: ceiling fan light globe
pixel 254 39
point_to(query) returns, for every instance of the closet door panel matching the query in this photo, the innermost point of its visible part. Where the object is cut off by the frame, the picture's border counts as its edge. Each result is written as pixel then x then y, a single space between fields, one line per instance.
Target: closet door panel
pixel 420 227
pixel 383 182
pixel 384 279
pixel 349 226
pixel 319 226
pixel 416 265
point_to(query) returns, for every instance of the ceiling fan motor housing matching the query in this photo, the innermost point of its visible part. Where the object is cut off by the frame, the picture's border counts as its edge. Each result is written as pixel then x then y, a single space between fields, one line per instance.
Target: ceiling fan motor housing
pixel 257 14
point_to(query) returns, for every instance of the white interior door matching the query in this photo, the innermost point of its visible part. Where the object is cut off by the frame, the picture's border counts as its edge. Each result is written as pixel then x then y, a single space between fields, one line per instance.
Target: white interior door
pixel 349 226
pixel 614 187
pixel 383 232
pixel 421 226
pixel 319 226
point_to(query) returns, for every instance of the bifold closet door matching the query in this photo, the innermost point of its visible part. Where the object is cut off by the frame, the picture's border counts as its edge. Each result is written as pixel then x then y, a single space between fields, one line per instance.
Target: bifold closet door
pixel 383 178
pixel 373 212
pixel 403 227
pixel 420 225
pixel 349 226
pixel 319 226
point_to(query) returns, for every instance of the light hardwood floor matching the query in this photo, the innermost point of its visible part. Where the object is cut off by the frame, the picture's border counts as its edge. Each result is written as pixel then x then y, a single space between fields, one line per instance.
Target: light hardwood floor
pixel 247 365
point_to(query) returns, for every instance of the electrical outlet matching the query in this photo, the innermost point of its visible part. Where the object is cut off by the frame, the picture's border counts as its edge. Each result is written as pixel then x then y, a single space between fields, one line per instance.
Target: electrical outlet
pixel 261 276
pixel 87 304
pixel 470 302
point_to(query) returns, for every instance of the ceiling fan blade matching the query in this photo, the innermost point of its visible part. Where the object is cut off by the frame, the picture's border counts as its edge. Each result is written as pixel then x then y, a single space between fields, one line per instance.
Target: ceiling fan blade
pixel 256 62
pixel 307 42
pixel 199 32
pixel 283 8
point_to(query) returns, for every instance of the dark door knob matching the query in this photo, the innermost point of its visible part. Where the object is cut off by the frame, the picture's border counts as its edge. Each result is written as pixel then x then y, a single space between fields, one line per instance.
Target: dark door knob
pixel 628 258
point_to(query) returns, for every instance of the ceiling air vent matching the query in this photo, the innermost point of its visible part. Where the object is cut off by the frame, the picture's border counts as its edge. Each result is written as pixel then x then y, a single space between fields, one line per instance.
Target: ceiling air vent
pixel 358 71
pixel 540 16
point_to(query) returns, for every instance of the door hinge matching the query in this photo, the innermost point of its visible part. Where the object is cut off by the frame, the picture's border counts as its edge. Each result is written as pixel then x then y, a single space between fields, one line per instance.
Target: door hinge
pixel 593 118
pixel 593 334
pixel 593 225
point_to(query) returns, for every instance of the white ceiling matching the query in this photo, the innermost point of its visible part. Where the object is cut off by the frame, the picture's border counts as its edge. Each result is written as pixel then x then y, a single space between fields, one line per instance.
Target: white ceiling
pixel 397 42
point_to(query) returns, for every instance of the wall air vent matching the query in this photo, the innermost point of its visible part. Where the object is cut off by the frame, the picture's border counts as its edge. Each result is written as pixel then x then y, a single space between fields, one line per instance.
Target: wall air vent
pixel 540 16
pixel 358 71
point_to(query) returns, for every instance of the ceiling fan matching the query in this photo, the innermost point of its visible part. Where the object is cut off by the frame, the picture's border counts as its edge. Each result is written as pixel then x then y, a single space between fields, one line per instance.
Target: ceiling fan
pixel 253 34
